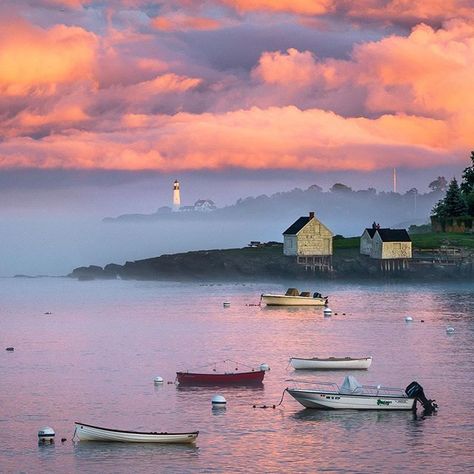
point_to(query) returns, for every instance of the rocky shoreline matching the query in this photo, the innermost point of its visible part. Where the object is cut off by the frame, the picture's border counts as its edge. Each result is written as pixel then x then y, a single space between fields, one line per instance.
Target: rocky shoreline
pixel 269 264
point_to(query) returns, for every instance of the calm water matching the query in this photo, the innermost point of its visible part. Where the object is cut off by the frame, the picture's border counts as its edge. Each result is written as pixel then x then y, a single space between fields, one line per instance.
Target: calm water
pixel 94 359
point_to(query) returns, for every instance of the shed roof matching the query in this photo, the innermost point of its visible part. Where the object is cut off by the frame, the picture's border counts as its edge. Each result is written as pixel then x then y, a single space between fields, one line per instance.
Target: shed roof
pixel 297 226
pixel 394 235
pixel 371 231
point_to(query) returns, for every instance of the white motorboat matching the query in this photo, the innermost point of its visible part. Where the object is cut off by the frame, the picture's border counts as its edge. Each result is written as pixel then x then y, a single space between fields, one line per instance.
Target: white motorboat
pixel 95 433
pixel 330 363
pixel 294 298
pixel 354 396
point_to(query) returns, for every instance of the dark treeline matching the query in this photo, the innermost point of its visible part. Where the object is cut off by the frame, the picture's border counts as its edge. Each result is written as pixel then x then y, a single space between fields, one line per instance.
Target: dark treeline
pixel 341 208
pixel 459 199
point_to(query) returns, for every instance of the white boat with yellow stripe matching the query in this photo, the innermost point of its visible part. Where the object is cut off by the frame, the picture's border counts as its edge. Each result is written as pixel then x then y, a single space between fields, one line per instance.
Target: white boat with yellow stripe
pixel 354 396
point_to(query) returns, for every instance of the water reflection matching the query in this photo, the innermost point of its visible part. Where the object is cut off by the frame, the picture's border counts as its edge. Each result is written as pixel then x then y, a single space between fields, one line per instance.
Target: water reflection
pixel 353 418
pixel 113 382
pixel 116 453
pixel 228 388
pixel 301 310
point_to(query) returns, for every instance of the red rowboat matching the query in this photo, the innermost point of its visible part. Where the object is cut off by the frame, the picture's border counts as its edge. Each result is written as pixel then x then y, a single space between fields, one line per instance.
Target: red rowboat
pixel 230 378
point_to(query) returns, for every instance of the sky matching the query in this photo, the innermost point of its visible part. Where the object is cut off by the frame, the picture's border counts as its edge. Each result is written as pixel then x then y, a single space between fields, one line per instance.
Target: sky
pixel 180 85
pixel 103 103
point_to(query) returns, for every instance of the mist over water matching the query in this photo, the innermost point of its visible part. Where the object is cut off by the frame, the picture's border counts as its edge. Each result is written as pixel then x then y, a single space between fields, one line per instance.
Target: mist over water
pixel 52 223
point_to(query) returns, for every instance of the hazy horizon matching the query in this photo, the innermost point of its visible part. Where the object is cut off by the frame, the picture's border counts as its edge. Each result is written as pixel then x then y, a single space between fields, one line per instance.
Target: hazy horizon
pixel 104 103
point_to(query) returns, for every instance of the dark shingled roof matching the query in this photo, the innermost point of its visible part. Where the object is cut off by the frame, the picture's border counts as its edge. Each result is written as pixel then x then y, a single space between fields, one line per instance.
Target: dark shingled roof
pixel 371 231
pixel 394 235
pixel 297 226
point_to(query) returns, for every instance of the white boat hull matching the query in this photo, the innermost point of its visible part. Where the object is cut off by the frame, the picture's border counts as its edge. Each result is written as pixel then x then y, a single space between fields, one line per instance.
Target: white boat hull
pixel 96 433
pixel 337 401
pixel 332 363
pixel 283 300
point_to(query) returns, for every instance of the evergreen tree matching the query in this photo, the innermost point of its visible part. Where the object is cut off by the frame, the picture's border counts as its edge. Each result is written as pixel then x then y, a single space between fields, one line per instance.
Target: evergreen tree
pixel 454 204
pixel 467 184
pixel 439 210
pixel 470 203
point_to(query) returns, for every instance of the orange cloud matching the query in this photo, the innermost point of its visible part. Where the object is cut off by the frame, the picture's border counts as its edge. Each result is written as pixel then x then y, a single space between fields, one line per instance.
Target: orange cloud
pixel 256 138
pixel 169 83
pixel 182 22
pixel 303 7
pixel 427 73
pixel 392 11
pixel 34 59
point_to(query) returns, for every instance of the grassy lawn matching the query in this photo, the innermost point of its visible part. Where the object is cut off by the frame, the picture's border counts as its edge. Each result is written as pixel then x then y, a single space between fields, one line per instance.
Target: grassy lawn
pixel 433 241
pixel 348 243
pixel 421 241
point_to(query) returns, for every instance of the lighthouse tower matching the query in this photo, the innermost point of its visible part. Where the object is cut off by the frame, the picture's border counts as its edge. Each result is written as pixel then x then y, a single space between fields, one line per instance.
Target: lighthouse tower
pixel 176 196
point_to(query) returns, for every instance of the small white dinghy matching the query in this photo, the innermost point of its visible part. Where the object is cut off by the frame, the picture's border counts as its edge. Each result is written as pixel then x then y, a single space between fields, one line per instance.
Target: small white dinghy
pixel 354 396
pixel 96 433
pixel 331 363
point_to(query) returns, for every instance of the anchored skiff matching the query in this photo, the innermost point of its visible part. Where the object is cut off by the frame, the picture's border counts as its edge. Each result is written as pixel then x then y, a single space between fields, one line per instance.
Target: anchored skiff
pixel 293 297
pixel 230 378
pixel 95 433
pixel 330 363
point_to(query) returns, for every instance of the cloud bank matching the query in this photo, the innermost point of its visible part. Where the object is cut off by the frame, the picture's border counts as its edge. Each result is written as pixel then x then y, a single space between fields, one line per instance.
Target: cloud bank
pixel 124 86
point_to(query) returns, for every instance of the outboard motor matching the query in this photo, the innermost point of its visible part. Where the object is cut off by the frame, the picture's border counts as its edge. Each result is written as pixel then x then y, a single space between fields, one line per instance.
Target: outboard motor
pixel 415 390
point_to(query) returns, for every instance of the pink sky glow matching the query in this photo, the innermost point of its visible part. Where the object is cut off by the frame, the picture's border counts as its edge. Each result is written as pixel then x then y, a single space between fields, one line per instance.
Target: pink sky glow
pixel 181 85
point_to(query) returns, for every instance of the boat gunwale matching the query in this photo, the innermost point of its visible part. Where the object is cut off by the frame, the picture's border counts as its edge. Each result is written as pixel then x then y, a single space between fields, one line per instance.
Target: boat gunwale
pixel 333 359
pixel 318 392
pixel 220 374
pixel 272 295
pixel 137 432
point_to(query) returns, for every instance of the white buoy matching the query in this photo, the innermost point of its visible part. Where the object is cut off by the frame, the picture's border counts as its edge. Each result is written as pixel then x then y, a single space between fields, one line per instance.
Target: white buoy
pixel 46 435
pixel 226 304
pixel 450 330
pixel 408 319
pixel 264 367
pixel 158 380
pixel 327 312
pixel 218 401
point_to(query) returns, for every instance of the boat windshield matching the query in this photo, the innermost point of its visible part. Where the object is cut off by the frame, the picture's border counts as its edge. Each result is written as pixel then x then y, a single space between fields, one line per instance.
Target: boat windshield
pixel 351 386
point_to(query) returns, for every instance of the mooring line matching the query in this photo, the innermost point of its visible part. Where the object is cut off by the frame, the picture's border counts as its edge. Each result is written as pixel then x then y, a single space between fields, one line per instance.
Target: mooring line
pixel 272 406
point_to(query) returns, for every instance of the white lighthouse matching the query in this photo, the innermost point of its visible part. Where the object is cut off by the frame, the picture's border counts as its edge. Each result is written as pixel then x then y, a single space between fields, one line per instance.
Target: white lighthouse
pixel 176 196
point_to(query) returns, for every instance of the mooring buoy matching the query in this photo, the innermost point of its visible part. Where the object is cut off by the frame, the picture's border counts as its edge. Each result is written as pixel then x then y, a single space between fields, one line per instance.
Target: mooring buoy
pixel 46 435
pixel 218 401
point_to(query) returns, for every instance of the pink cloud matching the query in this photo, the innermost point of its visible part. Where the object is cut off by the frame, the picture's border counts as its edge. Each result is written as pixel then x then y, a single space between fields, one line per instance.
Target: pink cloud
pixel 38 60
pixel 256 139
pixel 182 22
pixel 114 102
pixel 387 11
